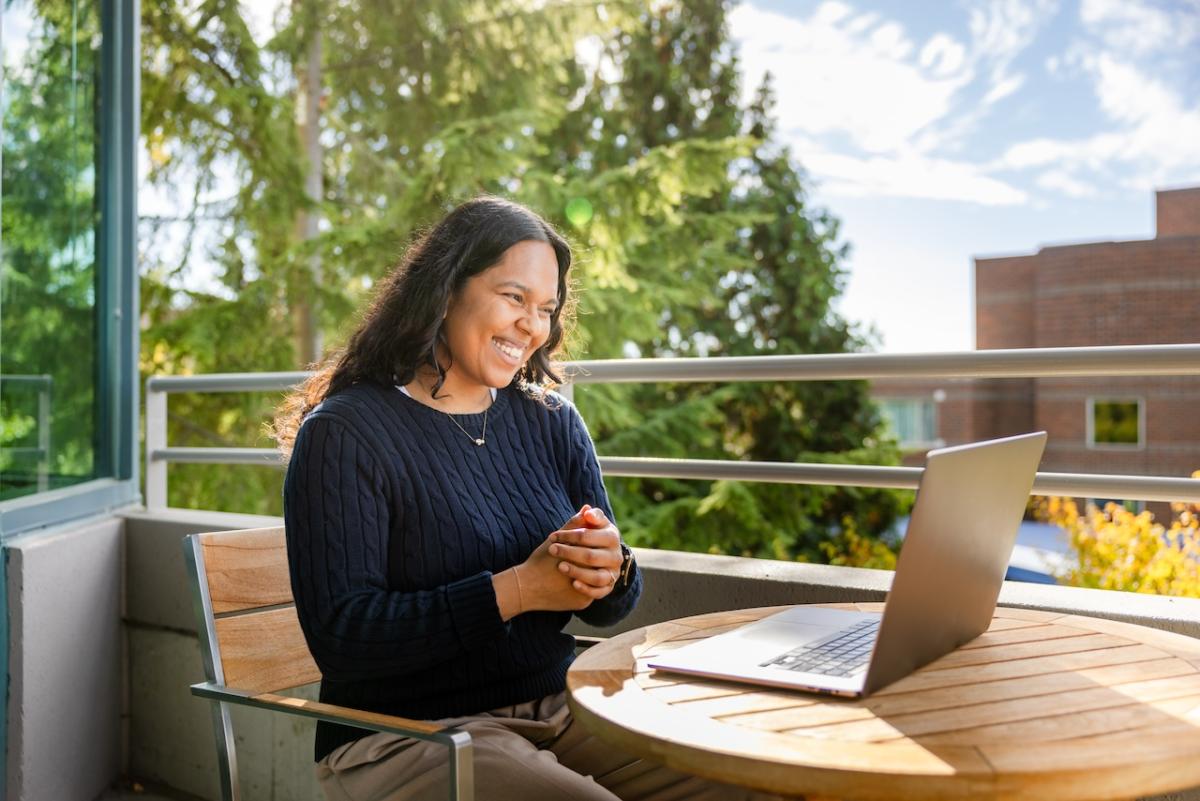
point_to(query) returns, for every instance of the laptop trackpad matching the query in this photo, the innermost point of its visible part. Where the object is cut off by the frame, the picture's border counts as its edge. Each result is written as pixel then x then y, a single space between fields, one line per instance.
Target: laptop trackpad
pixel 776 634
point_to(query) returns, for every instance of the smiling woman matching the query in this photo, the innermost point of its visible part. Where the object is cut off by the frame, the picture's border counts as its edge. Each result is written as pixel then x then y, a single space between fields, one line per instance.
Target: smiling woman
pixel 446 517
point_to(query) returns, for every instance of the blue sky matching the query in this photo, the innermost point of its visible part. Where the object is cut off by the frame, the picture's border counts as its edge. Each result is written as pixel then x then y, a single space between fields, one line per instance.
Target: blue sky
pixel 941 131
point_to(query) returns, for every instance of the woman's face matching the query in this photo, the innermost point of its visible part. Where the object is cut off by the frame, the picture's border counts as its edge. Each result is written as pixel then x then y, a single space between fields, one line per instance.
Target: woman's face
pixel 501 316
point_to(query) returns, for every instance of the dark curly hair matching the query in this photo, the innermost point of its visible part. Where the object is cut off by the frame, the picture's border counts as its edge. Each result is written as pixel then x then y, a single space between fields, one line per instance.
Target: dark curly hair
pixel 402 328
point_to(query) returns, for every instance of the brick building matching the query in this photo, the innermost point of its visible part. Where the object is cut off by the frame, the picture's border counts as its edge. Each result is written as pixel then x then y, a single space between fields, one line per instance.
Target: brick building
pixel 1100 293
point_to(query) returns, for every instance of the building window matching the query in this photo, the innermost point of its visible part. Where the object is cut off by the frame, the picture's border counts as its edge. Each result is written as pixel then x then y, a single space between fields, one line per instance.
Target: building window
pixel 1116 423
pixel 912 421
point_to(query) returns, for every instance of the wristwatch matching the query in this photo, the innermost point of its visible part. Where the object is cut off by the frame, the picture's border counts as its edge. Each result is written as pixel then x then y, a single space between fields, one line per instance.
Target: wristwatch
pixel 626 567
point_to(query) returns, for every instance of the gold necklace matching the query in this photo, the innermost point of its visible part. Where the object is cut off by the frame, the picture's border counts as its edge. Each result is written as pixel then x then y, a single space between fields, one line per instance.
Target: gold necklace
pixel 481 439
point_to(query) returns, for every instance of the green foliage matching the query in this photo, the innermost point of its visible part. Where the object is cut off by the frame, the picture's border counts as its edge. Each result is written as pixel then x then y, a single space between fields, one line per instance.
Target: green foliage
pixel 1119 549
pixel 621 122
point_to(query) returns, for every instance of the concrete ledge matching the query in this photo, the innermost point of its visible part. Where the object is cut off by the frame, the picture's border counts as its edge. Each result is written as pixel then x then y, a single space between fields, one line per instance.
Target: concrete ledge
pixel 680 584
pixel 157 589
pixel 677 583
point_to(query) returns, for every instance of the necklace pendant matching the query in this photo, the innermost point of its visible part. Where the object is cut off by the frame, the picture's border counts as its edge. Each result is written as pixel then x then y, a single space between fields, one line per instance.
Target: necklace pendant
pixel 479 441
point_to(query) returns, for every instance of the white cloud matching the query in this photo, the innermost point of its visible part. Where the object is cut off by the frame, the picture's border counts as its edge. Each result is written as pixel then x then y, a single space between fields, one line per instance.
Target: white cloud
pixel 1153 137
pixel 889 41
pixel 896 106
pixel 1061 181
pixel 1140 28
pixel 1003 88
pixel 861 23
pixel 850 76
pixel 942 55
pixel 832 12
pixel 1003 29
pixel 911 175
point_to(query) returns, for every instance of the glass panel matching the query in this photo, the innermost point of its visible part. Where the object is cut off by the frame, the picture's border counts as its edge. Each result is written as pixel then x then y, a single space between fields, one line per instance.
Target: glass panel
pixel 49 215
pixel 1115 422
pixel 911 420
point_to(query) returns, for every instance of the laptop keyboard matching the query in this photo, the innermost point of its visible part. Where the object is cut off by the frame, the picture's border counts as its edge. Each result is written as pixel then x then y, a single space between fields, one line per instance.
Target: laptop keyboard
pixel 843 653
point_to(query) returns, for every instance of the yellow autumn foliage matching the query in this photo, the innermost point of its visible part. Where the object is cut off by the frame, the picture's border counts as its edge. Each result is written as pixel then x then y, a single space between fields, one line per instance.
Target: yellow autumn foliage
pixel 1122 550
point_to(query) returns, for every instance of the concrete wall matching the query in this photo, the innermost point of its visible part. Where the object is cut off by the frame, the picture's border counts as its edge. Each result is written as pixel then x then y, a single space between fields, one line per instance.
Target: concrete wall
pixel 171 733
pixel 65 662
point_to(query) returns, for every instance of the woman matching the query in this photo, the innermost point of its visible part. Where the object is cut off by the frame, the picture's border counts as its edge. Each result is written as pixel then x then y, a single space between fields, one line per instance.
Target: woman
pixel 446 516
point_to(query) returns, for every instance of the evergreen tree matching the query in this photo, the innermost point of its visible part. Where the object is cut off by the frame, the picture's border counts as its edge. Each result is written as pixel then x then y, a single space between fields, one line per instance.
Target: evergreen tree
pixel 759 278
pixel 621 122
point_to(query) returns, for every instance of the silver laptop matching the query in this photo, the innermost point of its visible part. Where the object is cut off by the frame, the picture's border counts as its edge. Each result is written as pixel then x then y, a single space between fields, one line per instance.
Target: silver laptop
pixel 970 502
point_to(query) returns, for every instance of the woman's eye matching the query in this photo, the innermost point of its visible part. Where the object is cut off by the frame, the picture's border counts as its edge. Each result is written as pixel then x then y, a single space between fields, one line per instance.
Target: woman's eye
pixel 547 312
pixel 517 298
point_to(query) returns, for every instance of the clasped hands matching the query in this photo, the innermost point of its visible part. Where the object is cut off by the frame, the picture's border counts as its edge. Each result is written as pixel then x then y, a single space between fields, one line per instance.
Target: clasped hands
pixel 575 565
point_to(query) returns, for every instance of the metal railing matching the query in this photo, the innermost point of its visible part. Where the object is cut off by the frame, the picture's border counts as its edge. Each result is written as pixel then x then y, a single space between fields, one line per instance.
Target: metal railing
pixel 43 385
pixel 1132 360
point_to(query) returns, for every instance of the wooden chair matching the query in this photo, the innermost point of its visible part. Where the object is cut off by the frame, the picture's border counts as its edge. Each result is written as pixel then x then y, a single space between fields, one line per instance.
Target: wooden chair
pixel 253 648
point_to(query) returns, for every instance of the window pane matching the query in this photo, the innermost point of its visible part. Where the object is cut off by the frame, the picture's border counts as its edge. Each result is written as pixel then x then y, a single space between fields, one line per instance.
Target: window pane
pixel 48 226
pixel 911 420
pixel 1115 422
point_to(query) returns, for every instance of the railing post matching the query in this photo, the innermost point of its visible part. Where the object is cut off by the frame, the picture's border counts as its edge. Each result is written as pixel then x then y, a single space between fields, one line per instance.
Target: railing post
pixel 43 427
pixel 156 440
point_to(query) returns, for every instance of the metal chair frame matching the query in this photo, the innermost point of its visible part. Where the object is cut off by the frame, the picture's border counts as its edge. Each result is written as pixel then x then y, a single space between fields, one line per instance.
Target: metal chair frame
pixel 457 742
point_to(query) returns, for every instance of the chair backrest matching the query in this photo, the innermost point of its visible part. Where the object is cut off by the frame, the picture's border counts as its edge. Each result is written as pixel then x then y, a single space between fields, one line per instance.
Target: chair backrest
pixel 253 647
pixel 251 639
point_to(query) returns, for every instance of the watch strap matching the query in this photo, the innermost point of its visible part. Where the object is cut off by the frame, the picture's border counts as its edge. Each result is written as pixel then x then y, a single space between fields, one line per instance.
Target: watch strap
pixel 626 566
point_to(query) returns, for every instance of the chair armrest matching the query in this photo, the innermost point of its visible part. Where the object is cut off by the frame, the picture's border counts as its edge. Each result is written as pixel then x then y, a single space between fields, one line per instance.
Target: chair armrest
pixel 462 763
pixel 375 721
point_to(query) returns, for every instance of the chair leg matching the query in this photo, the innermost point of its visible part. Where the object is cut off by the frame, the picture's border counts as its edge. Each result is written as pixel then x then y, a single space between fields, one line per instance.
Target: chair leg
pixel 462 767
pixel 226 753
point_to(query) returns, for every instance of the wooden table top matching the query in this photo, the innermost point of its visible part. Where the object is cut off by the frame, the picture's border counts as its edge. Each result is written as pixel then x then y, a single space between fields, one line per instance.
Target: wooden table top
pixel 1042 705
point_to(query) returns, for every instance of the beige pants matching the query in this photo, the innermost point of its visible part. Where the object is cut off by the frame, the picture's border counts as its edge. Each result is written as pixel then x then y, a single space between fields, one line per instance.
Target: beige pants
pixel 527 752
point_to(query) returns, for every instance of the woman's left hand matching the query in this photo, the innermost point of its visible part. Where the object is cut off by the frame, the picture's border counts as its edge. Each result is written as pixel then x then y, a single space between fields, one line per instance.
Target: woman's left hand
pixel 589 547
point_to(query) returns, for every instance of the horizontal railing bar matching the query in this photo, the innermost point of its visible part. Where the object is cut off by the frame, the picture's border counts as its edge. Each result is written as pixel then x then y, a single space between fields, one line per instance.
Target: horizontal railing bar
pixel 259 456
pixel 1131 360
pixel 1122 488
pixel 1123 360
pixel 42 379
pixel 226 382
pixel 1086 485
pixel 769 472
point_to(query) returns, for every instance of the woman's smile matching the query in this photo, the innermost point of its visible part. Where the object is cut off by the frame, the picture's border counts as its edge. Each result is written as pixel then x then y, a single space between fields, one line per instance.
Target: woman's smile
pixel 511 351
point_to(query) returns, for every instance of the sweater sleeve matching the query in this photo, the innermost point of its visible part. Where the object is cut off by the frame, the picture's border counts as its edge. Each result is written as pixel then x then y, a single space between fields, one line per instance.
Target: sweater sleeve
pixel 586 485
pixel 337 518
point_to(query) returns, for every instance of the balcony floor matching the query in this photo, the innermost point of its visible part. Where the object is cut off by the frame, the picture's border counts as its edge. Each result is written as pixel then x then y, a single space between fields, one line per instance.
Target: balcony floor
pixel 137 793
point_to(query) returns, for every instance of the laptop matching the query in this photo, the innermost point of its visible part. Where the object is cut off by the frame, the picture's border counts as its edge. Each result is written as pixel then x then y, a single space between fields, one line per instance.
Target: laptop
pixel 970 501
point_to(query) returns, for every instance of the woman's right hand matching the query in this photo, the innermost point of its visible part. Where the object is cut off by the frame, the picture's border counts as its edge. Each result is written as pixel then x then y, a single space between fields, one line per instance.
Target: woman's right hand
pixel 537 584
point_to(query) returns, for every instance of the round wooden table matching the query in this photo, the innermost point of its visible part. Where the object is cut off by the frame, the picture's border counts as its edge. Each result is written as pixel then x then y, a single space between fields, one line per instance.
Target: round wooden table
pixel 1042 705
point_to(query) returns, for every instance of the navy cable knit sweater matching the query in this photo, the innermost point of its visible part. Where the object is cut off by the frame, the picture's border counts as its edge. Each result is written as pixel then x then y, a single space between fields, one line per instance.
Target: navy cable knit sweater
pixel 396 522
